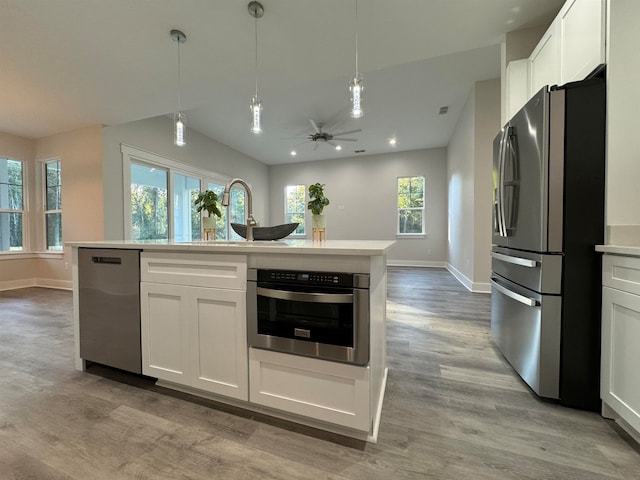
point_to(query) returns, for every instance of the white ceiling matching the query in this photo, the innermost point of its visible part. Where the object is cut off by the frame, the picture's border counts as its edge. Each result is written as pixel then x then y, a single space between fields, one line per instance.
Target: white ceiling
pixel 66 64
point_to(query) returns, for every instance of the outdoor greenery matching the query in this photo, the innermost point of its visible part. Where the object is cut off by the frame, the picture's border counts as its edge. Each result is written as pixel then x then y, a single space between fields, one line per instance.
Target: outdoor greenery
pixel 295 207
pixel 11 204
pixel 318 200
pixel 410 204
pixel 149 212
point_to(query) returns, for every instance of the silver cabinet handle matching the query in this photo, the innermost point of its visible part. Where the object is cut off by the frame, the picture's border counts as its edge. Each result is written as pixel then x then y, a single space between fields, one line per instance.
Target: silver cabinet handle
pixel 305 297
pixel 530 302
pixel 524 262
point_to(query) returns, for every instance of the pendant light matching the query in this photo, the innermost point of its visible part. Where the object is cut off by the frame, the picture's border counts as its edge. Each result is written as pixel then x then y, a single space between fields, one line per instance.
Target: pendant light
pixel 256 10
pixel 355 86
pixel 179 120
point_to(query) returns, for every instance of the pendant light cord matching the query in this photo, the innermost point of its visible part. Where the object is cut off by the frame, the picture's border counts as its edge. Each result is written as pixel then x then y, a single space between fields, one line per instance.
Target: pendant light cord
pixel 356 38
pixel 256 41
pixel 179 76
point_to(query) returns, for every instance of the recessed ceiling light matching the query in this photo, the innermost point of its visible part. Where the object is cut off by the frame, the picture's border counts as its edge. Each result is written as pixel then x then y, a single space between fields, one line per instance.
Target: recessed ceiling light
pixel 338 147
pixel 392 141
pixel 293 153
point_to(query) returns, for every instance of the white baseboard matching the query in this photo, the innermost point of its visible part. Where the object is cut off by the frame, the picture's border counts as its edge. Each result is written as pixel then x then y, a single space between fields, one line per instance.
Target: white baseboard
pixel 416 263
pixel 36 282
pixel 475 287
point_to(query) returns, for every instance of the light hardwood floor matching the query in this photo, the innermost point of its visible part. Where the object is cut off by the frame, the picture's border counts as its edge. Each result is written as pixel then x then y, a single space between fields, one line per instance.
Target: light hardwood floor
pixel 453 409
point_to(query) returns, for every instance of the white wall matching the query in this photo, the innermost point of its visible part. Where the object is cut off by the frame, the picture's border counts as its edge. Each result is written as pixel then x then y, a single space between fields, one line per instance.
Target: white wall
pixel 155 135
pixel 363 195
pixel 469 171
pixel 623 141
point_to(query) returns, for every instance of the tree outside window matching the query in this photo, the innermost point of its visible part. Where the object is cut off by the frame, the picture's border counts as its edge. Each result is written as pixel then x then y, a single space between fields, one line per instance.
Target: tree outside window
pixel 53 204
pixel 149 208
pixel 410 205
pixel 11 205
pixel 294 200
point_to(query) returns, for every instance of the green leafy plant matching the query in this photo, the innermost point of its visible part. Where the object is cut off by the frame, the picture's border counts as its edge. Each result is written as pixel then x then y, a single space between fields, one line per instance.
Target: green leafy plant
pixel 318 200
pixel 208 201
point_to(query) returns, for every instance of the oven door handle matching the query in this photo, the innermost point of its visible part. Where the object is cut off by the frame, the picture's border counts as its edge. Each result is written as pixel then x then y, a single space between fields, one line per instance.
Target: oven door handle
pixel 305 297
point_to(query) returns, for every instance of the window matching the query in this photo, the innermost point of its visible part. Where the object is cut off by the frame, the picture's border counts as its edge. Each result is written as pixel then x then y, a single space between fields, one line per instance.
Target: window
pixel 149 208
pixel 294 207
pixel 186 220
pixel 11 205
pixel 411 205
pixel 53 204
pixel 159 197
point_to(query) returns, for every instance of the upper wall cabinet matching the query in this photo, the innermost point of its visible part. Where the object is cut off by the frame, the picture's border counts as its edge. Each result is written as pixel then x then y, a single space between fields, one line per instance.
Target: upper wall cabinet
pixel 581 28
pixel 544 62
pixel 517 83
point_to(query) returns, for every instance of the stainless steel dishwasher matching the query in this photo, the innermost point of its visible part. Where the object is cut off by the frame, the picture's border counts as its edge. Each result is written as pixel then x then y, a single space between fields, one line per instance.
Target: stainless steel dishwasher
pixel 109 307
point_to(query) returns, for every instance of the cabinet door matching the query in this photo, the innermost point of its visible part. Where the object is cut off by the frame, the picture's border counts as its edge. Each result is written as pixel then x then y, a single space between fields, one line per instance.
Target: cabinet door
pixel 165 348
pixel 218 339
pixel 517 79
pixel 581 28
pixel 620 388
pixel 543 62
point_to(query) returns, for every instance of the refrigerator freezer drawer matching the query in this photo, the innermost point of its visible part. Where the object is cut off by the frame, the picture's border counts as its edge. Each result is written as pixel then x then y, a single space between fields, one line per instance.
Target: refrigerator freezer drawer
pixel 525 326
pixel 535 271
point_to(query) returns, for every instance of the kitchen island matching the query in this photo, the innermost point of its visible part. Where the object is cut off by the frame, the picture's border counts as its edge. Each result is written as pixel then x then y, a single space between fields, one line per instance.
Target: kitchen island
pixel 193 315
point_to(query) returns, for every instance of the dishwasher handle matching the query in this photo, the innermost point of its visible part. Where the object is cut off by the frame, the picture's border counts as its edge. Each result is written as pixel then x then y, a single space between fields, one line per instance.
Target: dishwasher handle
pixel 107 260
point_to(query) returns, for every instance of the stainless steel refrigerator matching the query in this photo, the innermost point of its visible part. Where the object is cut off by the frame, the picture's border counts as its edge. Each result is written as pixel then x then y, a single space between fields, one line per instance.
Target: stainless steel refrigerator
pixel 548 174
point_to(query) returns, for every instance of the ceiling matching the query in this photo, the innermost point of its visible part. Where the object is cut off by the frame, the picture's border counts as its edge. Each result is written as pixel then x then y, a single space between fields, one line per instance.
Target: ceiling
pixel 70 63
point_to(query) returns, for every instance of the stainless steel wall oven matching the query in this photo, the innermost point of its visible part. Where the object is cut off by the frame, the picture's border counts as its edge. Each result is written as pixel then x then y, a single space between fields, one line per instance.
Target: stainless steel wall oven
pixel 315 314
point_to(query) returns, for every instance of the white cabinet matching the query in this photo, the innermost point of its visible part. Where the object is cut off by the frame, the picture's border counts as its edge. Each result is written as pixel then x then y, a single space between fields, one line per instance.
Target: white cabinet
pixel 517 84
pixel 581 32
pixel 332 392
pixel 620 385
pixel 194 335
pixel 544 68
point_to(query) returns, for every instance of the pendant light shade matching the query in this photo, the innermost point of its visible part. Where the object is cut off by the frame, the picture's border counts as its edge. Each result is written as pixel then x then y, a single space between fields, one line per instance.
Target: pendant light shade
pixel 256 10
pixel 355 86
pixel 179 119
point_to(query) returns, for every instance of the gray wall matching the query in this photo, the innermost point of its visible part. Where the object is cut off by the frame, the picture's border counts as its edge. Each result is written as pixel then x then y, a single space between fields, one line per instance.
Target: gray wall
pixel 469 170
pixel 155 135
pixel 363 194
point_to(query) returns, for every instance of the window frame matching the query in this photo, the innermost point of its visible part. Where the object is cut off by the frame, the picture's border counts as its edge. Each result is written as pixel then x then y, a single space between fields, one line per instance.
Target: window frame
pixel 45 212
pixel 23 212
pixel 141 157
pixel 304 211
pixel 421 234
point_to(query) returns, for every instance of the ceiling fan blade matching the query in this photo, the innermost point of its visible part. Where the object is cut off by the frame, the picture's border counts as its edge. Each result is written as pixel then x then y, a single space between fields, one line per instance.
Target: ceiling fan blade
pixel 346 139
pixel 347 133
pixel 315 127
pixel 333 144
pixel 315 147
pixel 293 138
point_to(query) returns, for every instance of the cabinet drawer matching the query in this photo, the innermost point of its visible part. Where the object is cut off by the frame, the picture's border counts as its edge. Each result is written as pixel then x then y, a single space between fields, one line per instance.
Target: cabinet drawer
pixel 622 273
pixel 328 391
pixel 195 269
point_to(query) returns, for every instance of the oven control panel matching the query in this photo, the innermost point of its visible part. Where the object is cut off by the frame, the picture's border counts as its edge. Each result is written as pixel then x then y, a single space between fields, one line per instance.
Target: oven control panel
pixel 298 277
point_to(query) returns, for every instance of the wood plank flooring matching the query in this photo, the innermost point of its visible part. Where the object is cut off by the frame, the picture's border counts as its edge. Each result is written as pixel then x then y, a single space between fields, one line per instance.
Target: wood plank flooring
pixel 454 409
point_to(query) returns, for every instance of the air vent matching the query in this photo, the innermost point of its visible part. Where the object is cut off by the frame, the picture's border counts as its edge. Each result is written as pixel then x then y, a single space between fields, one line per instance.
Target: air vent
pixel 358 151
pixel 443 110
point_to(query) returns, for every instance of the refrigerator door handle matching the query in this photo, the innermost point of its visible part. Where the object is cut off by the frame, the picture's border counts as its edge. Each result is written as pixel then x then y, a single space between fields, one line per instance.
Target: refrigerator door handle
pixel 501 169
pixel 530 302
pixel 523 262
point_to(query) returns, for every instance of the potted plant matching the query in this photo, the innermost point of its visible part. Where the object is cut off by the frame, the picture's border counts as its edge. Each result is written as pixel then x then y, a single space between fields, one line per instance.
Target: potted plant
pixel 316 205
pixel 208 201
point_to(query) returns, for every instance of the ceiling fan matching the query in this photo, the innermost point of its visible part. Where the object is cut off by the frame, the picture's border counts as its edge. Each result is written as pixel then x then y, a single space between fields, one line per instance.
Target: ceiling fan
pixel 319 136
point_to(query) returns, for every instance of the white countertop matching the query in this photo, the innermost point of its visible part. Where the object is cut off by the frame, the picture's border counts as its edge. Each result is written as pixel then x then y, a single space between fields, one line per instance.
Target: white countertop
pixel 619 250
pixel 327 247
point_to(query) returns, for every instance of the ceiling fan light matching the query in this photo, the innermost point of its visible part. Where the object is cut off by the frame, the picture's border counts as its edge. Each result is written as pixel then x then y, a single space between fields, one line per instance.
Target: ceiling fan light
pixel 256 115
pixel 179 126
pixel 355 88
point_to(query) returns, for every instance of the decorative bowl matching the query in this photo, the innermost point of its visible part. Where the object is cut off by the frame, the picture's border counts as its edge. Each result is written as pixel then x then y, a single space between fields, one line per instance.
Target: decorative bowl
pixel 266 233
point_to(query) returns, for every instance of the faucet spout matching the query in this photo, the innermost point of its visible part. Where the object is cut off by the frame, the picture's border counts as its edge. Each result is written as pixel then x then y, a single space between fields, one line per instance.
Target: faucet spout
pixel 251 222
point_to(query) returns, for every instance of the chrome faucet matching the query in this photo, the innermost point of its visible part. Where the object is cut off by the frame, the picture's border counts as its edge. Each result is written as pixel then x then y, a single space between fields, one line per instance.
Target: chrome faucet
pixel 251 222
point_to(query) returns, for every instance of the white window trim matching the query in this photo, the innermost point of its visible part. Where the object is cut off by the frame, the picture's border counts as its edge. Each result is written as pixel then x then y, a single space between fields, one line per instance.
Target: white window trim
pixel 304 213
pixel 139 156
pixel 43 203
pixel 25 211
pixel 423 233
